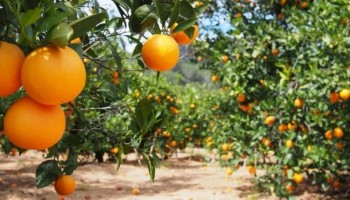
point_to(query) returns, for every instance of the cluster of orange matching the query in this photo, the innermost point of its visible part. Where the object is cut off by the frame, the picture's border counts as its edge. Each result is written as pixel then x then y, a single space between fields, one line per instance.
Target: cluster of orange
pixel 50 76
pixel 161 52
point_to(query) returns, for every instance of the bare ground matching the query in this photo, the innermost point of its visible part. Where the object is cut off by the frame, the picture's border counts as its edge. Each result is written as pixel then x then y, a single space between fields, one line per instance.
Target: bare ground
pixel 186 177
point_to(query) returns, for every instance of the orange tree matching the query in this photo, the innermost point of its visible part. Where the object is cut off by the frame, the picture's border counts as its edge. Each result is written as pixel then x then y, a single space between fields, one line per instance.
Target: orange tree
pixel 111 113
pixel 285 65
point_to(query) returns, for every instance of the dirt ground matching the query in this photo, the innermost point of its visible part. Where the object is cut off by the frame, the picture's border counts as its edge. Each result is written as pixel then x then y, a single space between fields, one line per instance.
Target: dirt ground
pixel 186 177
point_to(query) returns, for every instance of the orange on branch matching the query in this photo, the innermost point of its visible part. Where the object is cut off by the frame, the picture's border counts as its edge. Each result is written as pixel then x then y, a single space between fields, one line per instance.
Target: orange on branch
pixel 53 75
pixel 160 52
pixel 65 185
pixel 11 59
pixel 181 37
pixel 31 125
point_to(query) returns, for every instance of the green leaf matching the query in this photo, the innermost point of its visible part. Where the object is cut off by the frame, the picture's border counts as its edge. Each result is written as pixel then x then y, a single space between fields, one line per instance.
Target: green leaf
pixel 124 3
pixel 30 17
pixel 83 25
pixel 161 12
pixel 46 173
pixel 150 165
pixel 137 50
pixel 67 8
pixel 185 25
pixel 142 18
pixel 50 21
pixel 201 9
pixel 60 34
pixel 115 54
pixel 72 140
pixel 186 11
pixel 175 14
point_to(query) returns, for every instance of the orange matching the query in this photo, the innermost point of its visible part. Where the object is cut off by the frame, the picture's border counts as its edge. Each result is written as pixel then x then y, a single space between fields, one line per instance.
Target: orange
pixel 289 143
pixel 114 150
pixel 11 59
pixel 344 94
pixel 270 120
pixel 53 75
pixel 173 144
pixel 338 132
pixel 229 171
pixel 241 98
pixel 280 16
pixel 336 184
pixel 75 41
pixel 290 188
pixel 292 126
pixel 304 5
pixel 275 52
pixel 65 185
pixel 298 178
pixel 199 59
pixel 339 145
pixel 135 191
pixel 160 52
pixel 333 97
pixel 224 59
pixel 225 147
pixel 31 125
pixel 215 78
pixel 283 127
pixel 328 134
pixel 283 2
pixel 181 37
pixel 267 142
pixel 252 170
pixel 298 103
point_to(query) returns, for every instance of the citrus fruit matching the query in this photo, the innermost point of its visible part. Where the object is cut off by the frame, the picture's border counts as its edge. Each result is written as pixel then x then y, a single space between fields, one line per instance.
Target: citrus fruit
pixel 11 59
pixel 181 37
pixel 31 125
pixel 53 75
pixel 65 185
pixel 160 52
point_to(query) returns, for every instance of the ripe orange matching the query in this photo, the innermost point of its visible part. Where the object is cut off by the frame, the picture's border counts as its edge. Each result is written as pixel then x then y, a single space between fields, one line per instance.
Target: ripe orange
pixel 31 125
pixel 289 143
pixel 267 142
pixel 333 97
pixel 215 78
pixel 304 5
pixel 135 191
pixel 173 144
pixel 338 132
pixel 298 178
pixel 344 94
pixel 181 37
pixel 160 52
pixel 53 75
pixel 224 59
pixel 270 120
pixel 336 184
pixel 280 16
pixel 65 185
pixel 252 170
pixel 229 171
pixel 339 145
pixel 241 98
pixel 290 188
pixel 75 41
pixel 283 2
pixel 298 103
pixel 292 126
pixel 11 59
pixel 225 147
pixel 283 127
pixel 114 150
pixel 199 59
pixel 275 52
pixel 328 134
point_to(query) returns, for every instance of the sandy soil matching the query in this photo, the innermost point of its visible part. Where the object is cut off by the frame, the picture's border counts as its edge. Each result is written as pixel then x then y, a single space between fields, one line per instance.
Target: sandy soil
pixel 182 178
